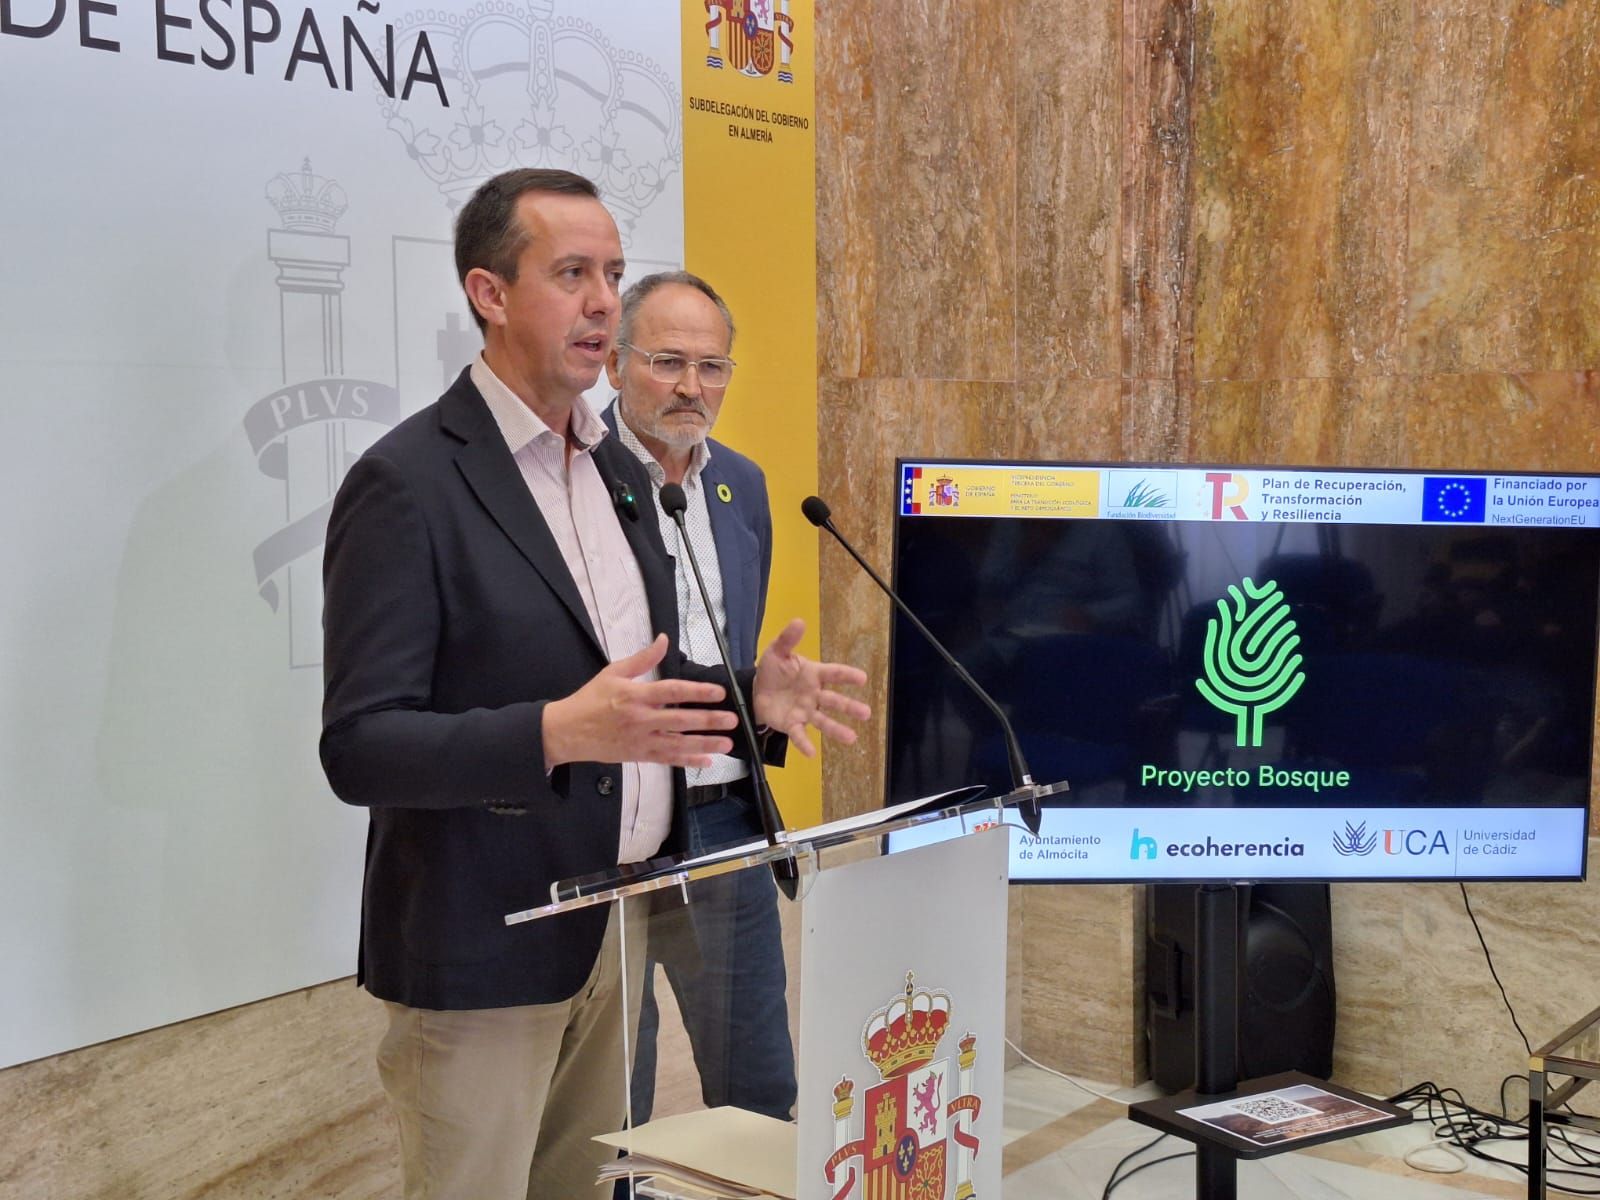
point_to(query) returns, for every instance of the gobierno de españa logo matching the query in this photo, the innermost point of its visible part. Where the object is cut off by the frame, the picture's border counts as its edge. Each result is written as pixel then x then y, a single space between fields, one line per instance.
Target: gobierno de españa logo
pixel 1251 664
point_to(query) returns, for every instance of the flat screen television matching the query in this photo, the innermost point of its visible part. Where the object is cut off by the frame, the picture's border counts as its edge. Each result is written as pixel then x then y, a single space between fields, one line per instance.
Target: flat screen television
pixel 1255 673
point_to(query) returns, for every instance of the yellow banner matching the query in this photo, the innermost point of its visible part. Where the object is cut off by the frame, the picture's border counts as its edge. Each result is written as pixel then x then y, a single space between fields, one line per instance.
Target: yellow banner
pixel 957 491
pixel 749 228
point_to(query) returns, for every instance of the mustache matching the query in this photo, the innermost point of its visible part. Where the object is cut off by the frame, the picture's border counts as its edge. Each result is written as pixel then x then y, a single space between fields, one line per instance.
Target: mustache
pixel 693 406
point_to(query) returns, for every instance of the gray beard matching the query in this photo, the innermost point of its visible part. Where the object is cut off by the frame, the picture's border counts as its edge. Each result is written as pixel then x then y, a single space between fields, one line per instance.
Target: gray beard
pixel 678 439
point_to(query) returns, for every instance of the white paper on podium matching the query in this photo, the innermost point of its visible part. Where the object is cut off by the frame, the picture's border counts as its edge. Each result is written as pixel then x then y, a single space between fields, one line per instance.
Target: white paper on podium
pixel 718 1144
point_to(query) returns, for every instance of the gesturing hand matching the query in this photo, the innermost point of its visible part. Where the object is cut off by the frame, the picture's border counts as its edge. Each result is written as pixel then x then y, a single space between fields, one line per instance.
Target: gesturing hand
pixel 792 692
pixel 619 717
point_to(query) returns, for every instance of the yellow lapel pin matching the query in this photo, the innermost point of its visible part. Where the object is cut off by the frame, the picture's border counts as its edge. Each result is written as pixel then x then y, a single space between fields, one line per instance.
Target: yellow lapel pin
pixel 724 493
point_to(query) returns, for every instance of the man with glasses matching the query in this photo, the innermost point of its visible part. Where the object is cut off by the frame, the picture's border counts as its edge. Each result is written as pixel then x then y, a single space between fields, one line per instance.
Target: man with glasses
pixel 671 368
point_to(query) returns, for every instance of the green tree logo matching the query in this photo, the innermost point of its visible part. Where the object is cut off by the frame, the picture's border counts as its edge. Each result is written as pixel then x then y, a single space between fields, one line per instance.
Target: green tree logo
pixel 1250 661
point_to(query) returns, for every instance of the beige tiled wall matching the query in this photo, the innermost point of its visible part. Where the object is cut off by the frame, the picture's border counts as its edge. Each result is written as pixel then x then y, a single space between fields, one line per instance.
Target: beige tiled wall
pixel 1416 997
pixel 275 1099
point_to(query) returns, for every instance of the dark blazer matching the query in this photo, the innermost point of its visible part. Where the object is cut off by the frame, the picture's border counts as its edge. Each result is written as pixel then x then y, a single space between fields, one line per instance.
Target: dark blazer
pixel 450 620
pixel 742 528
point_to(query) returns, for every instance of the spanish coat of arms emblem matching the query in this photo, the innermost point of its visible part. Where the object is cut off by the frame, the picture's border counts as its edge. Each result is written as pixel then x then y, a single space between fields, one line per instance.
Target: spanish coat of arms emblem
pixel 918 1116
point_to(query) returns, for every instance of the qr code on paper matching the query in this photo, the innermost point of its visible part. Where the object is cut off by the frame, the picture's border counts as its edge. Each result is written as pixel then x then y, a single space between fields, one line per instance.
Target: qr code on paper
pixel 1272 1110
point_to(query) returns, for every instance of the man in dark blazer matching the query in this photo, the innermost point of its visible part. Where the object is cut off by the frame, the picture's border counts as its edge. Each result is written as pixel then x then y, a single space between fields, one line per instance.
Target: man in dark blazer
pixel 503 692
pixel 672 367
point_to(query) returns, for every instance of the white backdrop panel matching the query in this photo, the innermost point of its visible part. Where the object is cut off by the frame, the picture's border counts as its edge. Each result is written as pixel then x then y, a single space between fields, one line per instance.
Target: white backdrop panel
pixel 169 845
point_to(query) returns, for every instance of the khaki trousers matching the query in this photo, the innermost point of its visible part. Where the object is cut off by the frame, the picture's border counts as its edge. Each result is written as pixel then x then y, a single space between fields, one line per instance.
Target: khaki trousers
pixel 501 1103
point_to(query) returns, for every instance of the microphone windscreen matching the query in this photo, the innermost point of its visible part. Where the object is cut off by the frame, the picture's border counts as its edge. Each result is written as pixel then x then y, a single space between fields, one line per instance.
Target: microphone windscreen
pixel 673 501
pixel 816 510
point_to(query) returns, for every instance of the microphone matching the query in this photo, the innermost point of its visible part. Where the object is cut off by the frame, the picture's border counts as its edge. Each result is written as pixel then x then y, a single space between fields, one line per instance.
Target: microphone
pixel 817 512
pixel 784 870
pixel 622 500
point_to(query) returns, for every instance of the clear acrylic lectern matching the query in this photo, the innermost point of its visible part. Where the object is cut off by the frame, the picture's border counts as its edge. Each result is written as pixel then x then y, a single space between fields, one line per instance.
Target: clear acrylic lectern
pixel 887 1027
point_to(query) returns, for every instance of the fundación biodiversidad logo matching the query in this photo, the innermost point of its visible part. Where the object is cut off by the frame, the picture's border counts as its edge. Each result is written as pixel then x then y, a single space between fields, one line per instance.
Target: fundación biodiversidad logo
pixel 1146 493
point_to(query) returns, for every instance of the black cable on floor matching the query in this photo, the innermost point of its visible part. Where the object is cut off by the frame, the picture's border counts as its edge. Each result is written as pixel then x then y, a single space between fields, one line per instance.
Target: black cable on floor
pixel 1459 1124
pixel 1117 1178
pixel 1154 1162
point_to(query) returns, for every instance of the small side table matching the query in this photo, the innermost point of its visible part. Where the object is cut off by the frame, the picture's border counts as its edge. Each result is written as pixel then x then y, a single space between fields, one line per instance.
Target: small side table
pixel 1558 1071
pixel 1228 1137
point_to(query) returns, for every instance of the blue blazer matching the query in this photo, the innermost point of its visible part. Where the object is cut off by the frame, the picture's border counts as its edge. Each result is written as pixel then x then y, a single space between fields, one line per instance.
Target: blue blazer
pixel 741 523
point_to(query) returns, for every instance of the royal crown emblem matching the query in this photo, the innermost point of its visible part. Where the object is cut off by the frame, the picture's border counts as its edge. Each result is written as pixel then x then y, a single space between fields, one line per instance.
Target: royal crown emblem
pixel 919 1114
pixel 905 1033
pixel 611 114
pixel 306 202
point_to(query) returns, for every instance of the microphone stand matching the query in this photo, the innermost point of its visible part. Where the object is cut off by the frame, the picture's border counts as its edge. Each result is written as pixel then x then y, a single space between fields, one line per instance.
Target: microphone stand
pixel 1025 794
pixel 785 871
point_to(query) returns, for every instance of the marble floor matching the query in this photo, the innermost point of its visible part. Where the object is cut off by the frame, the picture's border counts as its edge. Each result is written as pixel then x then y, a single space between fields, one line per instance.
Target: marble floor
pixel 1062 1144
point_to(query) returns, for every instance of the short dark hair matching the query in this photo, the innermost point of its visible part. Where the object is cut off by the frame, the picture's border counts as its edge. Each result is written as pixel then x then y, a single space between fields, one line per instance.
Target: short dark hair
pixel 640 292
pixel 488 234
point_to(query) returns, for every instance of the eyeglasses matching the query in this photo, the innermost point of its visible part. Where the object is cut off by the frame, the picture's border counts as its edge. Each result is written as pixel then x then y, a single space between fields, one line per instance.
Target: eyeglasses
pixel 667 367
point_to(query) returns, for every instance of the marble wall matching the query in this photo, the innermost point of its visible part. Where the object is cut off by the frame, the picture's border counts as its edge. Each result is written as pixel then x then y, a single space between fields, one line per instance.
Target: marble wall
pixel 1304 232
pixel 1311 231
pixel 275 1099
pixel 1417 999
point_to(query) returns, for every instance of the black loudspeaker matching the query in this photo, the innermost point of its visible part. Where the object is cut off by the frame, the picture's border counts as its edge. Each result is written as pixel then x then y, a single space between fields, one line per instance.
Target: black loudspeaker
pixel 1286 998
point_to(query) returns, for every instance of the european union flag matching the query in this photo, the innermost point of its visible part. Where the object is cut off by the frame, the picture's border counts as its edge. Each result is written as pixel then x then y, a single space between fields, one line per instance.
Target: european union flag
pixel 1453 498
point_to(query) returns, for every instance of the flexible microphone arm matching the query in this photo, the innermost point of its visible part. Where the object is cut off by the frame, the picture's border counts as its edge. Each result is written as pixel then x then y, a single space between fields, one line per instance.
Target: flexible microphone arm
pixel 784 870
pixel 817 512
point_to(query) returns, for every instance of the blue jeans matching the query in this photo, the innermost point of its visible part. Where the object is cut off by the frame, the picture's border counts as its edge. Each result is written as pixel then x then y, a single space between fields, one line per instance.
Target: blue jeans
pixel 731 994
